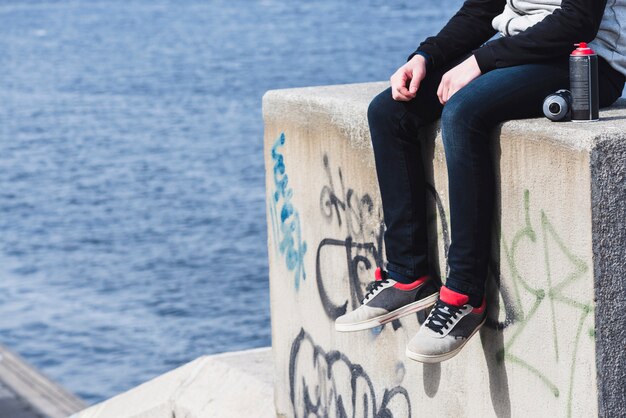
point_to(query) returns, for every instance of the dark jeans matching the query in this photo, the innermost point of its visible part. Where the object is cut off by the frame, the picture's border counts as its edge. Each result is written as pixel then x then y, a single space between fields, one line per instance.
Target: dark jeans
pixel 467 120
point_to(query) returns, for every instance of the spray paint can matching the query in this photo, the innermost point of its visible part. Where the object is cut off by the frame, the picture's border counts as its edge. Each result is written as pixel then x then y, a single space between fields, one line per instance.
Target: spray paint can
pixel 557 106
pixel 583 78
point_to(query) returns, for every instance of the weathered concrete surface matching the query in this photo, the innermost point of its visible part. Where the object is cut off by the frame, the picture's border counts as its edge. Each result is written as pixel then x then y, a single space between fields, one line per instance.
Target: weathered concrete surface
pixel 26 393
pixel 608 189
pixel 552 347
pixel 238 384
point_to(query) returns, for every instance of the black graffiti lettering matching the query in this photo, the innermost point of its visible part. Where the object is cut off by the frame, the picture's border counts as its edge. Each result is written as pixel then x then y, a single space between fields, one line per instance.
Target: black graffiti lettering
pixel 328 384
pixel 358 256
pixel 344 204
pixel 361 222
pixel 361 231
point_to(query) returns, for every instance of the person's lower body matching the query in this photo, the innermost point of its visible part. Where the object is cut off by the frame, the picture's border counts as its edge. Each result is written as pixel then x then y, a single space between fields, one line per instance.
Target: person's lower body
pixel 467 122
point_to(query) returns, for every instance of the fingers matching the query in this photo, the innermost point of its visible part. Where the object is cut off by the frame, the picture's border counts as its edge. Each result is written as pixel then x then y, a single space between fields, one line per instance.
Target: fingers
pixel 401 94
pixel 451 91
pixel 446 88
pixel 457 78
pixel 402 90
pixel 398 86
pixel 415 81
pixel 442 89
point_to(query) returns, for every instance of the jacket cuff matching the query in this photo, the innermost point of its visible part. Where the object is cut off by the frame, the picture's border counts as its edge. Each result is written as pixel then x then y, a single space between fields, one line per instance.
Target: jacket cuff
pixel 486 58
pixel 436 58
pixel 426 55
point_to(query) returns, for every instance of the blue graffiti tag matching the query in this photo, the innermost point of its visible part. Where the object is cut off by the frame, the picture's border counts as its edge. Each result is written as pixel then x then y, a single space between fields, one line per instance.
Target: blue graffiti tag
pixel 288 233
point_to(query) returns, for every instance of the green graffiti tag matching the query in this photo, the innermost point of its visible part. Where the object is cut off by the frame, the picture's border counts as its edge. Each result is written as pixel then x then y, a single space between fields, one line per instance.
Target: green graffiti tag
pixel 553 294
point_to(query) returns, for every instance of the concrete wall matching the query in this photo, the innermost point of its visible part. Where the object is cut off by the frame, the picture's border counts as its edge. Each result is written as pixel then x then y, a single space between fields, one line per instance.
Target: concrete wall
pixel 237 384
pixel 550 348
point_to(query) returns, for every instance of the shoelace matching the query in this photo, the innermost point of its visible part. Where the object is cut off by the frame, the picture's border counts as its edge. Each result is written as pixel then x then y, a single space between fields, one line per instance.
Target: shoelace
pixel 443 314
pixel 372 288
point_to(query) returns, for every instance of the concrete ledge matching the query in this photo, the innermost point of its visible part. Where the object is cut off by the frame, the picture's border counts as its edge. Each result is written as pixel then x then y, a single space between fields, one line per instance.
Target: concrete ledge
pixel 554 344
pixel 26 393
pixel 234 384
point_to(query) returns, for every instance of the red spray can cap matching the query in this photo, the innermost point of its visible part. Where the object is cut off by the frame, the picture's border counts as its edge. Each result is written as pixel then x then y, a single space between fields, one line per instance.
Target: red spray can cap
pixel 582 49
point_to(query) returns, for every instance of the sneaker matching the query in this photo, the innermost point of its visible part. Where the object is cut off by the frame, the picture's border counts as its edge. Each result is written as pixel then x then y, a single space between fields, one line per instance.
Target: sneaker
pixel 386 300
pixel 448 327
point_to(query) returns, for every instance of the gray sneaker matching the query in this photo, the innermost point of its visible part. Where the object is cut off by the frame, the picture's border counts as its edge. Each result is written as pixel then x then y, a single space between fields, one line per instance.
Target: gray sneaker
pixel 449 326
pixel 387 300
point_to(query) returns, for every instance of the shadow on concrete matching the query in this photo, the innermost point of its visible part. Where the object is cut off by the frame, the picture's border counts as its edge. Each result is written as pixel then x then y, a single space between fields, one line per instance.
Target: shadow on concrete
pixel 491 335
pixel 605 118
pixel 434 206
pixel 432 377
pixel 16 408
pixel 432 372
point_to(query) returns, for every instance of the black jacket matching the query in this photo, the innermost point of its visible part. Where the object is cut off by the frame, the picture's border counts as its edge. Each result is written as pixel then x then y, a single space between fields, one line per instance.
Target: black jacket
pixel 576 21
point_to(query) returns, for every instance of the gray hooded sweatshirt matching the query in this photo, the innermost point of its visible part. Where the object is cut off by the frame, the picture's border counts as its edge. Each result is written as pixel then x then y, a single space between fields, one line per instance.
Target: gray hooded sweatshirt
pixel 610 42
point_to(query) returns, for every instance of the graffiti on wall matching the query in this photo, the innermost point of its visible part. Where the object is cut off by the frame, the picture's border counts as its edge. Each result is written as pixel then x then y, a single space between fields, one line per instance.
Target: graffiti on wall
pixel 341 205
pixel 546 244
pixel 327 384
pixel 355 246
pixel 358 242
pixel 352 214
pixel 359 239
pixel 284 216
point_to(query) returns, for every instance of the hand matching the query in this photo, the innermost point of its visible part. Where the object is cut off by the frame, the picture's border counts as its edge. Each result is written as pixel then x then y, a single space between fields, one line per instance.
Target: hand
pixel 415 71
pixel 457 78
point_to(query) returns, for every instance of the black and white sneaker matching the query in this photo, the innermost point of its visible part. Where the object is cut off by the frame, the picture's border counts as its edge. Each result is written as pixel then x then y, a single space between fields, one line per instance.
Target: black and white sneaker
pixel 387 300
pixel 449 326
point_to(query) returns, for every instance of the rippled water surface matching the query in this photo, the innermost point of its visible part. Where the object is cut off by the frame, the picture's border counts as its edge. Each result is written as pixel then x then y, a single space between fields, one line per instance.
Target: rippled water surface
pixel 132 216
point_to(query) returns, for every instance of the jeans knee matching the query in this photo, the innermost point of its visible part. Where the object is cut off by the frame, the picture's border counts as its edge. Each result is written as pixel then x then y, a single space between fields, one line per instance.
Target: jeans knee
pixel 379 107
pixel 459 119
pixel 383 111
pixel 384 116
pixel 453 112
